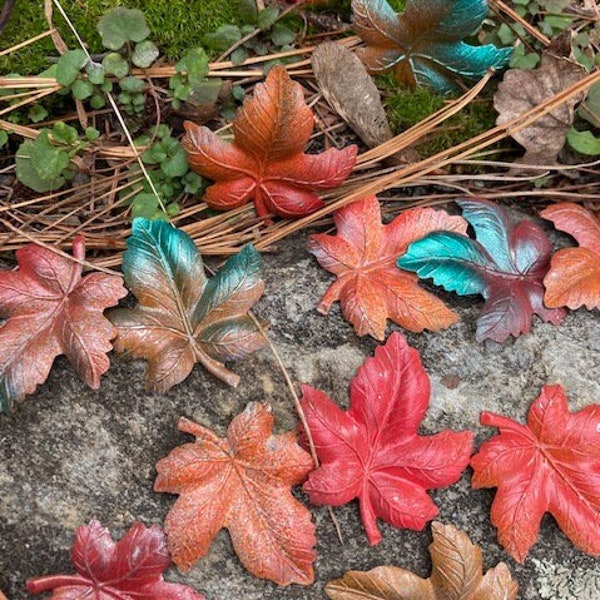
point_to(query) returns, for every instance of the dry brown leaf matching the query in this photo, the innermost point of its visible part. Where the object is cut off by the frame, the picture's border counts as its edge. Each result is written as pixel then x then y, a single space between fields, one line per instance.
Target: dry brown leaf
pixel 351 92
pixel 521 90
pixel 456 574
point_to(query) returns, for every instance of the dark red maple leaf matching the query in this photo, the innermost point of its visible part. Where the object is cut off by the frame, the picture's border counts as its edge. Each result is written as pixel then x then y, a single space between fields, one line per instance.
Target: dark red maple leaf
pixel 130 569
pixel 552 464
pixel 373 451
pixel 241 482
pixel 50 309
pixel 369 285
pixel 266 160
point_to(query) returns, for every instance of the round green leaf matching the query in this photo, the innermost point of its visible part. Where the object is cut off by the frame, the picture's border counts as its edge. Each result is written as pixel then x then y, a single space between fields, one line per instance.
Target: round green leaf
pixel 92 134
pixel 238 56
pixel 144 205
pixel 97 101
pixel 223 38
pixel 115 64
pixel 176 165
pixel 3 138
pixel 144 54
pixel 95 73
pixel 132 85
pixel 69 65
pixel 64 134
pixel 122 25
pixel 28 176
pixel 282 35
pixel 82 89
pixel 267 17
pixel 584 142
pixel 37 113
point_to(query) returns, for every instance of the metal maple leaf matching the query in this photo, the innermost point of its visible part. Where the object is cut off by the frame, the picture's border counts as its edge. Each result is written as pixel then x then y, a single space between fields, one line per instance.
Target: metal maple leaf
pixel 373 451
pixel 107 570
pixel 456 574
pixel 551 464
pixel 423 45
pixel 183 317
pixel 266 161
pixel 50 309
pixel 241 482
pixel 506 264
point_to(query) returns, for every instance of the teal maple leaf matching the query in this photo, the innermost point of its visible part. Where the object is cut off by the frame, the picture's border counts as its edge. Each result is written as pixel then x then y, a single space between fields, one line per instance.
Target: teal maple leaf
pixel 423 45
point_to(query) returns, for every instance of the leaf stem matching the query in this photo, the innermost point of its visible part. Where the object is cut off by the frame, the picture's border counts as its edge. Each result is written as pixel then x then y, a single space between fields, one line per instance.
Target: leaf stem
pixel 299 410
pixel 50 582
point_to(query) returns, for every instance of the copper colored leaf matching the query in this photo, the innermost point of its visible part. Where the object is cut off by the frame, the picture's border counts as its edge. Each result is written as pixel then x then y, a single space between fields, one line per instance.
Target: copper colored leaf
pixel 457 574
pixel 574 276
pixel 373 451
pixel 552 464
pixel 369 285
pixel 505 264
pixel 130 569
pixel 266 162
pixel 182 317
pixel 241 482
pixel 51 310
pixel 346 85
pixel 423 45
pixel 522 90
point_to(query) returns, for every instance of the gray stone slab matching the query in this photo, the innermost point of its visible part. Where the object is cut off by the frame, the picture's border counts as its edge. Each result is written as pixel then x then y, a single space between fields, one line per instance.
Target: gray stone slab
pixel 70 454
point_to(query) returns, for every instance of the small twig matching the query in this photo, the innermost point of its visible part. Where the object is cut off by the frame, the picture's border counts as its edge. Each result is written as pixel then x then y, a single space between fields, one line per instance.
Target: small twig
pixel 58 251
pixel 299 410
pixel 517 18
pixel 26 42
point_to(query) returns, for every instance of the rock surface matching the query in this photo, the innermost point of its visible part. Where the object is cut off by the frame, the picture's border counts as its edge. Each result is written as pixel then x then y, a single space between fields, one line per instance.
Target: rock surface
pixel 70 454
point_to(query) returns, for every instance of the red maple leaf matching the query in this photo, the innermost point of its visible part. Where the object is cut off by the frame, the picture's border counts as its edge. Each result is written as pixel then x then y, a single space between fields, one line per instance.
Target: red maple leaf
pixel 369 285
pixel 574 276
pixel 130 569
pixel 373 451
pixel 266 160
pixel 552 464
pixel 51 310
pixel 241 482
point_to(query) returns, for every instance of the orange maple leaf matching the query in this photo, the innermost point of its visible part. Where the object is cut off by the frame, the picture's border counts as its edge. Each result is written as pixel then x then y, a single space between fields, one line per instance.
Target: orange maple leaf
pixel 574 276
pixel 241 482
pixel 266 160
pixel 369 285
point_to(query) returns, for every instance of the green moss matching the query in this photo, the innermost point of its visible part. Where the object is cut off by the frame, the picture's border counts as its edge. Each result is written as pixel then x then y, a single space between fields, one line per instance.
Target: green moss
pixel 176 25
pixel 406 108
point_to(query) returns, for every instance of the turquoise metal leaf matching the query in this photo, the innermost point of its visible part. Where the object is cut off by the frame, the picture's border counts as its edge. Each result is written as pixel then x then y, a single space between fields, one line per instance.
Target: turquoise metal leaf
pixel 506 264
pixel 423 45
pixel 183 317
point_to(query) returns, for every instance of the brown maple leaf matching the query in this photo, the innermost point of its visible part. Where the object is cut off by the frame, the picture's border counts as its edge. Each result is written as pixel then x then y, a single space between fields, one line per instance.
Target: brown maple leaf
pixel 456 575
pixel 241 482
pixel 574 276
pixel 522 90
pixel 369 285
pixel 51 310
pixel 266 160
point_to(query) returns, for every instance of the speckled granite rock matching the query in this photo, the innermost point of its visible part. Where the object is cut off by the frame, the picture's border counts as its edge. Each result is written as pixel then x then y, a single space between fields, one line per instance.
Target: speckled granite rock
pixel 70 454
